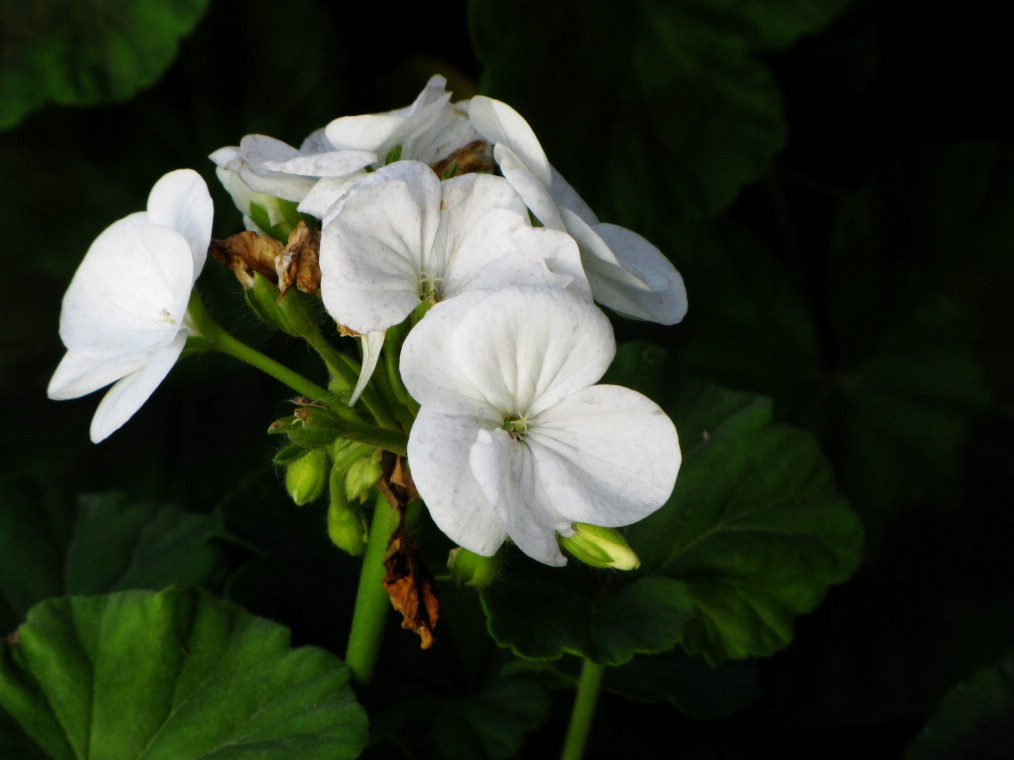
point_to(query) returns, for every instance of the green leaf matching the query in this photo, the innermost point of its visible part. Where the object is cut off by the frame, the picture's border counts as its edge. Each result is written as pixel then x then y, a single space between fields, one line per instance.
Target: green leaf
pixel 974 719
pixel 177 674
pixel 103 543
pixel 88 52
pixel 751 538
pixel 662 100
pixel 544 613
pixel 755 528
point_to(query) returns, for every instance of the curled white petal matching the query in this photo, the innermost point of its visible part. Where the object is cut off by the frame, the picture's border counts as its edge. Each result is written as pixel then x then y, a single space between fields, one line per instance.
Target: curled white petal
pixel 180 200
pixel 502 125
pixel 129 394
pixel 372 344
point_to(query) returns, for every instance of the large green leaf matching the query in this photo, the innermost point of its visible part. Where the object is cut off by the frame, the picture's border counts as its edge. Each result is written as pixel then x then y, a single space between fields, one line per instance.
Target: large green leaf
pixel 974 719
pixel 50 546
pixel 752 537
pixel 177 674
pixel 668 100
pixel 89 52
pixel 755 527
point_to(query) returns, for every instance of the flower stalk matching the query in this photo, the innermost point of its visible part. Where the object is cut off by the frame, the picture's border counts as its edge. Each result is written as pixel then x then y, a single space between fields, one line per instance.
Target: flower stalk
pixel 588 686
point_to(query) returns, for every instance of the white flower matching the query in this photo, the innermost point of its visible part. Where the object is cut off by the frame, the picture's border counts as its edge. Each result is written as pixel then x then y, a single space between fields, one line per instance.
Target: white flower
pixel 123 314
pixel 513 439
pixel 262 169
pixel 626 272
pixel 402 236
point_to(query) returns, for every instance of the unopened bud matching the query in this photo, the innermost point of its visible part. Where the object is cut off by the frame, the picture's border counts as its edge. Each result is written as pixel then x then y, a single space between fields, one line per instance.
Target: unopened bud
pixel 472 569
pixel 362 475
pixel 346 525
pixel 306 478
pixel 599 547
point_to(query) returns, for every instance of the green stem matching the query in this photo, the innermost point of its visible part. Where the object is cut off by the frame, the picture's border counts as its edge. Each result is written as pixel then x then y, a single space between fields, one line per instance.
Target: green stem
pixel 372 603
pixel 208 329
pixel 584 710
pixel 392 354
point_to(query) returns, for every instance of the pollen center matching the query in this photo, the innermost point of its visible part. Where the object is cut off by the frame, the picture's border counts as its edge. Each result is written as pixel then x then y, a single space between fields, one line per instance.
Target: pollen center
pixel 516 426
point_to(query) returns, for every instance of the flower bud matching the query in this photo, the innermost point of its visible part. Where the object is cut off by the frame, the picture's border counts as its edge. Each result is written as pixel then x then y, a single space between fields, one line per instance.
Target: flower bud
pixel 472 569
pixel 346 526
pixel 599 547
pixel 362 475
pixel 306 477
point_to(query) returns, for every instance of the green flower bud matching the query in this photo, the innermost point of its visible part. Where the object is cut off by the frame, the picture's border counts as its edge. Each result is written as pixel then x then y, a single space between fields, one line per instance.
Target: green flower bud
pixel 599 547
pixel 362 475
pixel 306 477
pixel 346 526
pixel 472 569
pixel 309 426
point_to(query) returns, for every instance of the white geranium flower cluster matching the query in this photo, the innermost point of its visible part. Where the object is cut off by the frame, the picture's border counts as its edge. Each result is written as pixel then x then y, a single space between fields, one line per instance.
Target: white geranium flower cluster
pixel 449 205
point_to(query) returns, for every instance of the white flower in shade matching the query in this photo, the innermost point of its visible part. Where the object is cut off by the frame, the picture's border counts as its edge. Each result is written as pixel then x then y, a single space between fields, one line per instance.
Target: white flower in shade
pixel 123 314
pixel 513 438
pixel 261 170
pixel 402 237
pixel 626 272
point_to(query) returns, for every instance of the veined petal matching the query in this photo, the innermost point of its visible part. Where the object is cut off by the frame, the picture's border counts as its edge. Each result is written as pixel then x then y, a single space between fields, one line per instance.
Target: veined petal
pixel 438 451
pixel 527 347
pixel 430 363
pixel 606 455
pixel 180 200
pixel 372 343
pixel 130 292
pixel 322 200
pixel 79 374
pixel 465 201
pixel 371 252
pixel 502 249
pixel 256 149
pixel 529 186
pixel 501 124
pixel 450 131
pixel 130 393
pixel 506 470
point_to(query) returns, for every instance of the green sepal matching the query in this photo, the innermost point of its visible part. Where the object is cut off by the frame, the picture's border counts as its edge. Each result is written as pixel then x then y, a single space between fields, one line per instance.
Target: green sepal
pixel 309 426
pixel 290 218
pixel 307 477
pixel 471 569
pixel 289 454
pixel 263 299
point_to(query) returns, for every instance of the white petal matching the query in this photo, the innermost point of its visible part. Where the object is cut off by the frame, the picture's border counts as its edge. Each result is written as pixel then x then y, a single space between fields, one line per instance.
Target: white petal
pixel 606 455
pixel 180 200
pixel 79 374
pixel 364 132
pixel 501 124
pixel 130 292
pixel 450 131
pixel 568 198
pixel 371 253
pixel 372 344
pixel 502 249
pixel 130 393
pixel 529 186
pixel 507 473
pixel 322 199
pixel 429 363
pixel 290 187
pixel 524 348
pixel 664 300
pixel 334 163
pixel 465 200
pixel 256 149
pixel 438 449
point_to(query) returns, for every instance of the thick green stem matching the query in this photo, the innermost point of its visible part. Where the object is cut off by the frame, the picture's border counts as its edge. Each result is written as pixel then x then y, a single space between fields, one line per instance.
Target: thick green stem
pixel 372 602
pixel 584 710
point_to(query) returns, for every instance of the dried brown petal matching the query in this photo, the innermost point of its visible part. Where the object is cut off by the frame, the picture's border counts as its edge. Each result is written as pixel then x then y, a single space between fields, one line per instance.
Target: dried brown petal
pixel 477 156
pixel 247 253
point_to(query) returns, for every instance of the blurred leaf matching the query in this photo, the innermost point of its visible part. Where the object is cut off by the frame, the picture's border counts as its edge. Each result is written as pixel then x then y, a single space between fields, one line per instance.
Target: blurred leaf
pixel 687 683
pixel 752 537
pixel 104 544
pixel 684 77
pixel 974 719
pixel 86 52
pixel 755 528
pixel 170 675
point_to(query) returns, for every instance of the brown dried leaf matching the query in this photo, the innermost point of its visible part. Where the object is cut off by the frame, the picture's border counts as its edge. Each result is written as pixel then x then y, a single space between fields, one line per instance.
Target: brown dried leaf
pixel 298 261
pixel 411 587
pixel 247 253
